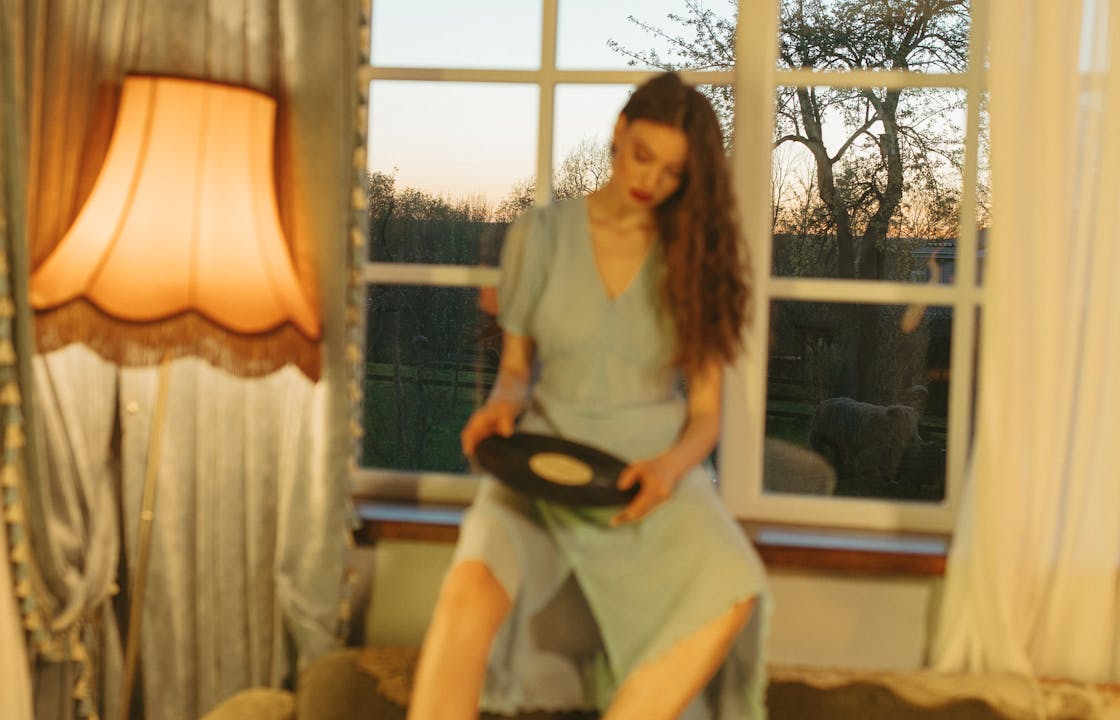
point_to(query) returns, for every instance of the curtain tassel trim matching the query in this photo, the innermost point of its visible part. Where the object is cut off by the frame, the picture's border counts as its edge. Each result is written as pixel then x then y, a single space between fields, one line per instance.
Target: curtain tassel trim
pixel 33 600
pixel 70 644
pixel 10 395
pixel 14 437
pixel 14 515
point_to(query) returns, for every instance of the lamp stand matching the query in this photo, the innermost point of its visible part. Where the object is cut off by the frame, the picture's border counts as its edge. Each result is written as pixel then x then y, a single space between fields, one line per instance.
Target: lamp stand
pixel 144 541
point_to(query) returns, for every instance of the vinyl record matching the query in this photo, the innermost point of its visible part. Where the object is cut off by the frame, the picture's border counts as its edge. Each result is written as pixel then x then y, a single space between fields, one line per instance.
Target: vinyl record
pixel 554 469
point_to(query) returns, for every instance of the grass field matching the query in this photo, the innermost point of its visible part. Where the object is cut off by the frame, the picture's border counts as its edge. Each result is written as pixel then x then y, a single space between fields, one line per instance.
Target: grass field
pixel 413 422
pixel 412 419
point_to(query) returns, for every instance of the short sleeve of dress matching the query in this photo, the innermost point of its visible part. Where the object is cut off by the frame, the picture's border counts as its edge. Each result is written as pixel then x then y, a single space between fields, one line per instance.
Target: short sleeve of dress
pixel 524 262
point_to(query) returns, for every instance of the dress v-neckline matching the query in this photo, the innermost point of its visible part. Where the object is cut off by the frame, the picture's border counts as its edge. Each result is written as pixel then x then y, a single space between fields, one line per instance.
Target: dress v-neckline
pixel 600 282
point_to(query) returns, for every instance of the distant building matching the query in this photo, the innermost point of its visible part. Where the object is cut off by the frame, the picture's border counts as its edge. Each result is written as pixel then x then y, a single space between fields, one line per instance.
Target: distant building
pixel 944 256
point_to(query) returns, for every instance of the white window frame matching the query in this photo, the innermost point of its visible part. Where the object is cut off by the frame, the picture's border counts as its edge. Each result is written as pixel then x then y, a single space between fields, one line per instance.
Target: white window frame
pixel 742 448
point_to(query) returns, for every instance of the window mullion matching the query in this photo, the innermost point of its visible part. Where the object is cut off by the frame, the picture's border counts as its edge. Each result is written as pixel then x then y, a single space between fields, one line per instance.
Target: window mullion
pixel 426 274
pixel 745 409
pixel 965 339
pixel 546 117
pixel 967 235
pixel 482 75
pixel 871 291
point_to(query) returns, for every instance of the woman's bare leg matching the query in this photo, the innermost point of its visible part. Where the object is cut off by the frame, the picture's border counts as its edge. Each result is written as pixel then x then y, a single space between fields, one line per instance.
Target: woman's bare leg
pixel 663 687
pixel 469 611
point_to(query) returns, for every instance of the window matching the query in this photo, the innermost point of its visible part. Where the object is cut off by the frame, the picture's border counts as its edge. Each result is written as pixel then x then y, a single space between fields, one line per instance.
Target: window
pixel 860 170
pixel 870 287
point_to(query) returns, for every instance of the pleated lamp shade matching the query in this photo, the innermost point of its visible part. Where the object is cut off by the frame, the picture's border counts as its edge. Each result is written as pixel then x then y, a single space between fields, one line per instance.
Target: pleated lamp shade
pixel 183 216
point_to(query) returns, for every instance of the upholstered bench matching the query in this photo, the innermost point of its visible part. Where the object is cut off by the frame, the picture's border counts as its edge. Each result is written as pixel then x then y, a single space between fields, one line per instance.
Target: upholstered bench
pixel 374 684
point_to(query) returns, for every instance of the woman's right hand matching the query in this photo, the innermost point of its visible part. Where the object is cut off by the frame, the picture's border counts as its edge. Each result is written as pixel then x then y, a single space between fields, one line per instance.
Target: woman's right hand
pixel 508 396
pixel 493 418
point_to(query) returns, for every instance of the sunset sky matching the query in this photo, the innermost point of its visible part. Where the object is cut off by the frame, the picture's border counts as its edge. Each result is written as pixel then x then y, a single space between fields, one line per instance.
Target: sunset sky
pixel 458 140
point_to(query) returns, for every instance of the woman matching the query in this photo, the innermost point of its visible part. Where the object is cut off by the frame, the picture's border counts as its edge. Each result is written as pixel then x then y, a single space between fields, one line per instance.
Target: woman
pixel 660 606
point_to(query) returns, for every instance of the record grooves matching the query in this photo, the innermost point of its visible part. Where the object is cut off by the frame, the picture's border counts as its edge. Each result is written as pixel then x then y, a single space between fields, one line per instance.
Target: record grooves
pixel 554 469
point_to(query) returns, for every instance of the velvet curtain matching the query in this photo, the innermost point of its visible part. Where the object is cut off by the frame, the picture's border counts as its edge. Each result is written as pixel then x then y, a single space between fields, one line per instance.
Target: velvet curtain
pixel 1032 579
pixel 251 518
pixel 19 619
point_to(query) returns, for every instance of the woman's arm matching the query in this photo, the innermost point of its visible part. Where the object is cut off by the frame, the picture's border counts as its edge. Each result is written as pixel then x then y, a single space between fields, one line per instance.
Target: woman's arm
pixel 659 475
pixel 507 397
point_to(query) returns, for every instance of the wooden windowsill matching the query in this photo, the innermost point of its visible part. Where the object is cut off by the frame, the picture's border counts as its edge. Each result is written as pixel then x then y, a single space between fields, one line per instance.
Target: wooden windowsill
pixel 787 547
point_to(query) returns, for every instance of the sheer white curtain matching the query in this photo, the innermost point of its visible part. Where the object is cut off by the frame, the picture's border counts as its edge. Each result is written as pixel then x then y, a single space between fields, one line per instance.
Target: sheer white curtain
pixel 1031 585
pixel 248 535
pixel 248 538
pixel 78 541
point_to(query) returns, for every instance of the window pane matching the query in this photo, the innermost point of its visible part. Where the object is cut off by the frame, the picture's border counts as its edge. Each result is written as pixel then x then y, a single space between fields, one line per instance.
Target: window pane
pixel 585 118
pixel 442 158
pixel 722 98
pixel 983 190
pixel 640 34
pixel 857 191
pixel 431 357
pixel 499 34
pixel 857 400
pixel 873 34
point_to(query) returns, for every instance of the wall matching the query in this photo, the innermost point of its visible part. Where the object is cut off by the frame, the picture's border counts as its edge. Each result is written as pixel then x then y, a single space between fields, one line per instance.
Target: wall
pixel 858 622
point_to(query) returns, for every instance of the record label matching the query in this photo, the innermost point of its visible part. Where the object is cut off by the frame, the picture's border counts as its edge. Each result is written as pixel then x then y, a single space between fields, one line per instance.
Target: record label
pixel 560 468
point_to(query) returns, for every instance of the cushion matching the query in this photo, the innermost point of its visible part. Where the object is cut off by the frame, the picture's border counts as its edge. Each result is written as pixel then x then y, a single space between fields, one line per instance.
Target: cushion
pixel 377 681
pixel 256 703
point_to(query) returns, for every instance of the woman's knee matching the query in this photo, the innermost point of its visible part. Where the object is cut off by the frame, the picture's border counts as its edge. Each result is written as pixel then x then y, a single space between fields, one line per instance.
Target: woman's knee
pixel 470 588
pixel 740 613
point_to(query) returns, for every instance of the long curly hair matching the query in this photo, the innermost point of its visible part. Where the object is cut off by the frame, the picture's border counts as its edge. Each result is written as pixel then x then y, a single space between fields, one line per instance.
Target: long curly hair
pixel 702 285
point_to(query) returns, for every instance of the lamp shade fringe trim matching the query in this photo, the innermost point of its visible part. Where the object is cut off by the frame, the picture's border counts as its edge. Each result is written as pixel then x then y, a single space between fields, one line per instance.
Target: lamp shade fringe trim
pixel 141 344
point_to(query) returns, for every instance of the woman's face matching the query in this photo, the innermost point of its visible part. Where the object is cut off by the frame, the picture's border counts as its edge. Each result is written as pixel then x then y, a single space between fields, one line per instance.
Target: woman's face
pixel 649 160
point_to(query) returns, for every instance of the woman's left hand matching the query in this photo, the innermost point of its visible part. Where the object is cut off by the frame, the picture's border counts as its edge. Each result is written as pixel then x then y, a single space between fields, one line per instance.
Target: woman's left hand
pixel 657 478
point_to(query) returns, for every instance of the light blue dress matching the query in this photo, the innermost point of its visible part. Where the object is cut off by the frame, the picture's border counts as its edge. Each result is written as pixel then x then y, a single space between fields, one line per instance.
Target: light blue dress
pixel 592 602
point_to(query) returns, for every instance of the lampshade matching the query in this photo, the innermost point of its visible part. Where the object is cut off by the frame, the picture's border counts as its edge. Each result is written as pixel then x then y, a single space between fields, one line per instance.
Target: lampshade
pixel 183 216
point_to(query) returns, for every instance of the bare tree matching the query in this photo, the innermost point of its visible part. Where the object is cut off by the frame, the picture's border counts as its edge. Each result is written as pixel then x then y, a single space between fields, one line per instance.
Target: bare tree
pixel 585 168
pixel 518 200
pixel 705 41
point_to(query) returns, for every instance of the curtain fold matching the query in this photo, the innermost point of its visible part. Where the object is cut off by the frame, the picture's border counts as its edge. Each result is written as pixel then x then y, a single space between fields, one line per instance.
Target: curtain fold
pixel 77 540
pixel 1032 577
pixel 247 578
pixel 244 563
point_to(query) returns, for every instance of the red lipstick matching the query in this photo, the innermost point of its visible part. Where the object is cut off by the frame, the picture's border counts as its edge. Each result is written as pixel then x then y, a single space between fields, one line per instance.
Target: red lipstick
pixel 640 196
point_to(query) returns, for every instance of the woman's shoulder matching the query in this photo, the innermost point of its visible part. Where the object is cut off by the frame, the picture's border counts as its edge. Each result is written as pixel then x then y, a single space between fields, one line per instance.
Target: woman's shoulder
pixel 574 207
pixel 558 219
pixel 559 208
